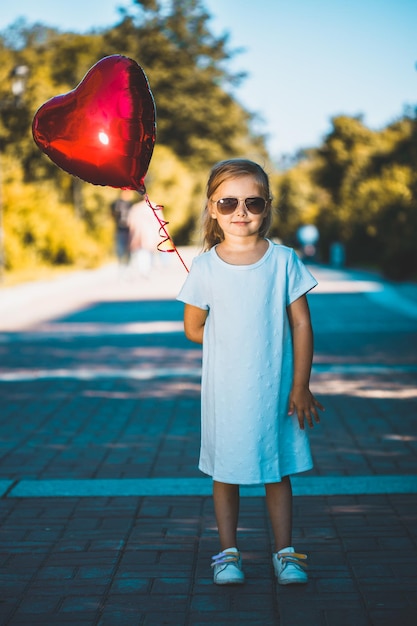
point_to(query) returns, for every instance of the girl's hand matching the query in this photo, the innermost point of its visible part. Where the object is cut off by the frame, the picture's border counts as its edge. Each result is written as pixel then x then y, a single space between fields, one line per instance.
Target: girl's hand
pixel 305 405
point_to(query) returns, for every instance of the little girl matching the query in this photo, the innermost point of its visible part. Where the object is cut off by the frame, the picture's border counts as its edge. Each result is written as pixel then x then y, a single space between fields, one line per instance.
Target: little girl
pixel 245 302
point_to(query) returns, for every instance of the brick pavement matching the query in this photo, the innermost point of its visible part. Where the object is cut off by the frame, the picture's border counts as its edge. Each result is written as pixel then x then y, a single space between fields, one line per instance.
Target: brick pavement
pixel 75 404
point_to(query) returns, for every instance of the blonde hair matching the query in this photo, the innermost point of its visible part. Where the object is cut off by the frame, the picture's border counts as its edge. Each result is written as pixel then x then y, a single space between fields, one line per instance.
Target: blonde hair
pixel 225 170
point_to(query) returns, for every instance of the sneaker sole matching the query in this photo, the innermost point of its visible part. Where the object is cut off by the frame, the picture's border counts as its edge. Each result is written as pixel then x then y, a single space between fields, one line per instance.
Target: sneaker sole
pixel 291 582
pixel 288 581
pixel 231 581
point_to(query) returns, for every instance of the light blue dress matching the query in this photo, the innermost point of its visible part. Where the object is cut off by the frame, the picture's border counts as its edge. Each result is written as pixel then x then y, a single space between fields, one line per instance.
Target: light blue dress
pixel 247 436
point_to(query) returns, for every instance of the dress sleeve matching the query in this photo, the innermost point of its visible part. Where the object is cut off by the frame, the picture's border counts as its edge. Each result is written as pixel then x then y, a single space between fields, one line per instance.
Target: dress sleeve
pixel 299 279
pixel 194 290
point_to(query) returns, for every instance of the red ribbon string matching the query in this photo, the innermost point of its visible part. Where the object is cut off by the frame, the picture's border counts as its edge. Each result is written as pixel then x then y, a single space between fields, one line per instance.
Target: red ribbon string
pixel 166 238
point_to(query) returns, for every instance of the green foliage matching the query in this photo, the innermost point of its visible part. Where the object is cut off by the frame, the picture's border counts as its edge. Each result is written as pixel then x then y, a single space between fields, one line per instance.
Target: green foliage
pixel 376 201
pixel 51 217
pixel 42 230
pixel 384 212
pixel 197 117
pixel 359 187
pixel 171 184
pixel 299 201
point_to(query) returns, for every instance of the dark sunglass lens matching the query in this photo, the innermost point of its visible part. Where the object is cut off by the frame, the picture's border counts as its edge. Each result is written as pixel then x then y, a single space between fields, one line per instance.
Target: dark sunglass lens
pixel 226 205
pixel 255 205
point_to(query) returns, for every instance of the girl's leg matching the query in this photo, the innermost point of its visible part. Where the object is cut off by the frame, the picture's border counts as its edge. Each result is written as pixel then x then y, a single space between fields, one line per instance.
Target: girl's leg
pixel 226 507
pixel 279 502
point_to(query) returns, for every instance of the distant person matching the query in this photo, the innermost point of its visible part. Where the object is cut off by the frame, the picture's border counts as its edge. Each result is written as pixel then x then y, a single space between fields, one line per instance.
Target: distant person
pixel 337 254
pixel 120 212
pixel 143 238
pixel 245 301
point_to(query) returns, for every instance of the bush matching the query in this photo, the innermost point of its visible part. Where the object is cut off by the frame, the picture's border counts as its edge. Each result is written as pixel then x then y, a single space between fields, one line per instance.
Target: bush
pixel 41 230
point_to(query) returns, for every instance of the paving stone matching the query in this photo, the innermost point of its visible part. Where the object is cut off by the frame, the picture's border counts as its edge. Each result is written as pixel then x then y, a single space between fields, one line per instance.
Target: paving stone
pixel 145 561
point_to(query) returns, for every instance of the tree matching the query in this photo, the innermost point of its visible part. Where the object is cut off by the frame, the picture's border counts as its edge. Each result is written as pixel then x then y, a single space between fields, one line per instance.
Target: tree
pixel 371 180
pixel 197 117
pixel 298 199
pixel 199 121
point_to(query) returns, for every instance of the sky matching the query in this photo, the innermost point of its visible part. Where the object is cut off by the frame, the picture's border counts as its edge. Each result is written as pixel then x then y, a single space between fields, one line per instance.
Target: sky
pixel 307 60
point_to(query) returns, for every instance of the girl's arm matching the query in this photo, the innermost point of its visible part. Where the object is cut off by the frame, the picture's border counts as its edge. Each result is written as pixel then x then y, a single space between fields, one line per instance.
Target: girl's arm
pixel 194 320
pixel 302 400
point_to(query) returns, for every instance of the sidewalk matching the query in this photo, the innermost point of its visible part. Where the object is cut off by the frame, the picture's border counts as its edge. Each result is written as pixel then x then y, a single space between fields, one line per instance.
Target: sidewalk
pixel 105 519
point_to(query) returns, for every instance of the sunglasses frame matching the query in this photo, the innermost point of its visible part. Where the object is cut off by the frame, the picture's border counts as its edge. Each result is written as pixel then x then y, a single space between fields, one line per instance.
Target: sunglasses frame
pixel 228 211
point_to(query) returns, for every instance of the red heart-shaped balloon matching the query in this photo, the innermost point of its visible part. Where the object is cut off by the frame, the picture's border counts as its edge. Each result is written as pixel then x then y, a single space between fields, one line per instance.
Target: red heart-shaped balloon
pixel 103 131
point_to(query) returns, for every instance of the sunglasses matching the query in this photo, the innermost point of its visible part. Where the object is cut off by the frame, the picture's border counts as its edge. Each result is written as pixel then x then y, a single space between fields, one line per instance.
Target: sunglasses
pixel 226 206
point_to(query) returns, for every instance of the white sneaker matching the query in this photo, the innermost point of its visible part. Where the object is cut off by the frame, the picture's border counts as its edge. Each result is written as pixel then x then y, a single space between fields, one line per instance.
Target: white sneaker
pixel 227 566
pixel 289 567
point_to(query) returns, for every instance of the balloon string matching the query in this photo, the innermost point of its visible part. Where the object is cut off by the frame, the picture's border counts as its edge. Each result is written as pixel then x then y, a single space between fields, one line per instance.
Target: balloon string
pixel 163 231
